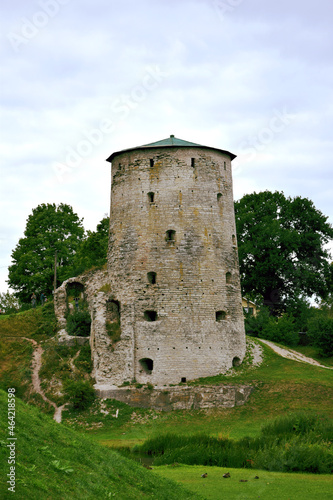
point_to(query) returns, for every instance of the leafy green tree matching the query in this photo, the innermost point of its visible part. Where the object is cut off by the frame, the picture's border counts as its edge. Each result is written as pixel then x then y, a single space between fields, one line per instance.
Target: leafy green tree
pixel 50 230
pixel 321 333
pixel 9 303
pixel 281 249
pixel 92 251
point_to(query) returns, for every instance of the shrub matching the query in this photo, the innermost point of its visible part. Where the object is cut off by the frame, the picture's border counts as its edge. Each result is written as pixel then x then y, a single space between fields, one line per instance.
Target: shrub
pixel 254 324
pixel 84 362
pixel 78 324
pixel 320 332
pixel 80 393
pixel 282 330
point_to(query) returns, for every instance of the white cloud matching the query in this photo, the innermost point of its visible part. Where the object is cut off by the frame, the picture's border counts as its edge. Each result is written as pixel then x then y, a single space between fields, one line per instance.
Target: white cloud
pixel 225 77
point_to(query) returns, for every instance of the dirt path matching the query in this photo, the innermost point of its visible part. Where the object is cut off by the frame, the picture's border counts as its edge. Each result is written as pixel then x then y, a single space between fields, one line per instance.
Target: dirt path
pixel 36 365
pixel 295 356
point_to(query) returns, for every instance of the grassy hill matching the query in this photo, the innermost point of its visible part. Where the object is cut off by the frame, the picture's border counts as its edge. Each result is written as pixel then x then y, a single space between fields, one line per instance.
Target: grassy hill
pixel 55 462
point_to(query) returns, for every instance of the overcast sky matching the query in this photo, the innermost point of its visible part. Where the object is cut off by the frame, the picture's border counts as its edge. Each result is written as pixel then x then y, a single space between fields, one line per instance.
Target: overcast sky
pixel 81 79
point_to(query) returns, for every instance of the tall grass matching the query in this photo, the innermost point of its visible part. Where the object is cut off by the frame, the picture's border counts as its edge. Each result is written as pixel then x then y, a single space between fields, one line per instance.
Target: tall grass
pixel 297 442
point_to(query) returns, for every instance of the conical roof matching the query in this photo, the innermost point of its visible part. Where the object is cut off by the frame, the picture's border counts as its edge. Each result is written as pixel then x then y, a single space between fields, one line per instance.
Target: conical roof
pixel 171 141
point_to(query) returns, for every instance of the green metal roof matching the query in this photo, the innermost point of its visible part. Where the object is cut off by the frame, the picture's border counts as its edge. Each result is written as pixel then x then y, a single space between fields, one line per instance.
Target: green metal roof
pixel 169 142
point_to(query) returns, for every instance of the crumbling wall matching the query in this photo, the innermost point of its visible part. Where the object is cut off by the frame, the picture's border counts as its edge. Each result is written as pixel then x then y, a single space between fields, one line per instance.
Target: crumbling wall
pixel 181 397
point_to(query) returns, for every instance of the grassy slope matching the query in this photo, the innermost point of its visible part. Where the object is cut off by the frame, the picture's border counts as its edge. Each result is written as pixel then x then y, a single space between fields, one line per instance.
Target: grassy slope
pixel 16 354
pixel 56 462
pixel 282 386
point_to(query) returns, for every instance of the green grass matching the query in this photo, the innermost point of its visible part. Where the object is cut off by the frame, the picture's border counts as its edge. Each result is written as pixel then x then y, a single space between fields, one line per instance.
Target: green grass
pixel 53 461
pixel 269 486
pixel 15 361
pixel 281 386
pixel 312 352
pixel 16 355
pixel 38 323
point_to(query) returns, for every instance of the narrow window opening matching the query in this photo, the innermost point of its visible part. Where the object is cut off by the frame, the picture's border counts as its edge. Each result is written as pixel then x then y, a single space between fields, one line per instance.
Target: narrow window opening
pixel 151 163
pixel 234 240
pixel 113 310
pixel 151 278
pixel 151 197
pixel 147 365
pixel 228 278
pixel 225 166
pixel 219 197
pixel 183 380
pixel 220 315
pixel 193 162
pixel 150 315
pixel 170 235
pixel 236 361
pixel 119 166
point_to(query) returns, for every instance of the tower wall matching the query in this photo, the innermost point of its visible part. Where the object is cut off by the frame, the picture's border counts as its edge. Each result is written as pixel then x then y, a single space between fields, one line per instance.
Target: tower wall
pixel 172 215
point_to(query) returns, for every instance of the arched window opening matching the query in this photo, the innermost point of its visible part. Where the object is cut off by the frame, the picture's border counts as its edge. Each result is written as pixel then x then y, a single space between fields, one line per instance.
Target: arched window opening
pixel 113 310
pixel 151 278
pixel 219 197
pixel 228 278
pixel 75 296
pixel 150 315
pixel 234 241
pixel 170 235
pixel 151 197
pixel 236 361
pixel 147 365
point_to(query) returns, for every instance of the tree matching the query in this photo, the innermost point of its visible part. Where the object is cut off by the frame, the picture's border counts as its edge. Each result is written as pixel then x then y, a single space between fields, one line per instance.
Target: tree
pixel 321 334
pixel 92 251
pixel 281 249
pixel 51 231
pixel 9 303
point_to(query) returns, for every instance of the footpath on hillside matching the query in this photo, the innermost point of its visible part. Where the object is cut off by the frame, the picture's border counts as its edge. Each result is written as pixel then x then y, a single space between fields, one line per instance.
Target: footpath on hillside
pixel 36 365
pixel 294 355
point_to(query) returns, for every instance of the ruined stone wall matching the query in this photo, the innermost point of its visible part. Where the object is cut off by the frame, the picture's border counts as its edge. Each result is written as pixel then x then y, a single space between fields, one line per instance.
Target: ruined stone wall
pixel 195 294
pixel 181 398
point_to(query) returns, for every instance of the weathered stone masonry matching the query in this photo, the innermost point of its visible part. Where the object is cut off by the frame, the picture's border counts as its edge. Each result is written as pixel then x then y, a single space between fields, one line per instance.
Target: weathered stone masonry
pixel 173 279
pixel 173 263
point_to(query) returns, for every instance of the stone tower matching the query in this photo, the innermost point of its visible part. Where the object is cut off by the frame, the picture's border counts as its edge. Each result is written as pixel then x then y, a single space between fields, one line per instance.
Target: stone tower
pixel 172 266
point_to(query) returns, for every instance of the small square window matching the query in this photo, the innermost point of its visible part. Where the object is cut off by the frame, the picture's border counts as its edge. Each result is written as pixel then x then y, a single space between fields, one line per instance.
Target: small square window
pixel 150 315
pixel 220 315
